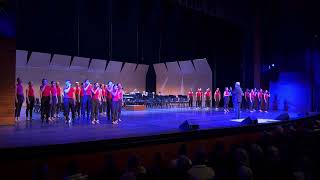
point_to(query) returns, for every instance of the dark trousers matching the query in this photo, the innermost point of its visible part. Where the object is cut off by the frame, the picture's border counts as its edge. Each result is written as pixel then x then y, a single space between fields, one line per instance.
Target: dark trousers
pixel 119 109
pixel 208 103
pixel 217 102
pixel 104 105
pixel 30 106
pixel 259 104
pixel 109 107
pixel 59 105
pixel 115 110
pixel 191 102
pixel 18 105
pixel 251 105
pixel 247 105
pixel 95 108
pixel 45 107
pixel 226 100
pixel 86 106
pixel 53 107
pixel 199 103
pixel 256 104
pixel 266 106
pixel 237 106
pixel 77 105
pixel 69 104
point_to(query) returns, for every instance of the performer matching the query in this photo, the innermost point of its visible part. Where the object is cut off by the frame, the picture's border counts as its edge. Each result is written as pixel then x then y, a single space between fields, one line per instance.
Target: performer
pixel 230 97
pixel 199 98
pixel 226 99
pixel 190 96
pixel 252 99
pixel 260 99
pixel 217 98
pixel 59 96
pixel 78 96
pixel 54 101
pixel 87 99
pixel 121 103
pixel 247 99
pixel 104 99
pixel 266 100
pixel 109 98
pixel 95 103
pixel 19 99
pixel 237 99
pixel 45 95
pixel 81 97
pixel 207 95
pixel 30 100
pixel 115 104
pixel 256 102
pixel 69 101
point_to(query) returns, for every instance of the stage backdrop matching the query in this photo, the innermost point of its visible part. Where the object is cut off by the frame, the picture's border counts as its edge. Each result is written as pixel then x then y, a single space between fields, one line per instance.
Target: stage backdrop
pixel 61 67
pixel 178 77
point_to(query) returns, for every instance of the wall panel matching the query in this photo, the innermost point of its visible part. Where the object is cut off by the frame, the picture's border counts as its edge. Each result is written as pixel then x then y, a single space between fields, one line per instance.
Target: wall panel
pixel 132 76
pixel 174 78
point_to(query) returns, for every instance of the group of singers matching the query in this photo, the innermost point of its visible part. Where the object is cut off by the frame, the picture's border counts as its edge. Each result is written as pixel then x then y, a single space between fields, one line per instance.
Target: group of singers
pixel 84 100
pixel 255 100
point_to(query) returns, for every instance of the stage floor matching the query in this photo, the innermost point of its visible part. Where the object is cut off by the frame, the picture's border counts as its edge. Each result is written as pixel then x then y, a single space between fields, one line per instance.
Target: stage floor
pixel 133 124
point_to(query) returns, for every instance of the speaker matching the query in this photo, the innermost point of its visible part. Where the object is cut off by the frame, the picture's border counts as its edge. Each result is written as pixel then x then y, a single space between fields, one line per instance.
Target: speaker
pixel 188 126
pixel 283 117
pixel 249 120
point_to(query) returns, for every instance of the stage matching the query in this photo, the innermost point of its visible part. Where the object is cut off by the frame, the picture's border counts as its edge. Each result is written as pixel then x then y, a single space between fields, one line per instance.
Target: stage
pixel 134 124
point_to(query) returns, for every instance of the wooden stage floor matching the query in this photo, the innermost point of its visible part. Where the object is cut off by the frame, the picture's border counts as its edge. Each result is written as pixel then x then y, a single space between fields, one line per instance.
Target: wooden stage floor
pixel 134 124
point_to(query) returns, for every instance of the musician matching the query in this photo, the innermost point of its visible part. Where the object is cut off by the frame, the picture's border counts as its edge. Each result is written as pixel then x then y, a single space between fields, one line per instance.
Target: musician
pixel 81 97
pixel 95 103
pixel 226 99
pixel 54 101
pixel 78 98
pixel 121 103
pixel 87 99
pixel 30 96
pixel 115 104
pixel 217 98
pixel 207 95
pixel 266 100
pixel 59 96
pixel 199 98
pixel 230 96
pixel 69 101
pixel 104 99
pixel 109 98
pixel 260 99
pixel 247 99
pixel 190 97
pixel 252 99
pixel 45 96
pixel 19 99
pixel 256 101
pixel 237 99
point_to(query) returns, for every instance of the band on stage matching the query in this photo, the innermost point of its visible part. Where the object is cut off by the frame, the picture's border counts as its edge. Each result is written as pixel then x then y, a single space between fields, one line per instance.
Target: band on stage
pixel 88 101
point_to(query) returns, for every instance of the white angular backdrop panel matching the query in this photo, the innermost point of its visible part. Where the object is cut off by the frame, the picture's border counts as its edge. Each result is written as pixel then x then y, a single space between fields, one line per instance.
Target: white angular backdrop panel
pixel 58 68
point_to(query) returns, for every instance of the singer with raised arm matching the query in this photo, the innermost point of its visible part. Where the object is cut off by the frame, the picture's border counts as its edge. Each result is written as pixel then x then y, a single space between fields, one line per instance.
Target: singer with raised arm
pixel 87 99
pixel 95 103
pixel 69 101
pixel 45 96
